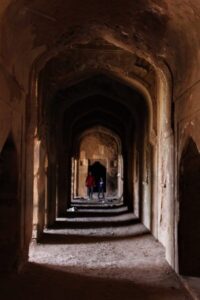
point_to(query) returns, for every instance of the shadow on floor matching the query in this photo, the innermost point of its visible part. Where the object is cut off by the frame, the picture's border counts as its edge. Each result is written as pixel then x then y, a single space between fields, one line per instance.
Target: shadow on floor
pixel 73 223
pixel 43 282
pixel 54 238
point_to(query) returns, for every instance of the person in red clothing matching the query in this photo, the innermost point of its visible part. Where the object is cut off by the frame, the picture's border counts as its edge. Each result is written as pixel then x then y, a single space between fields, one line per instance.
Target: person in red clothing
pixel 90 183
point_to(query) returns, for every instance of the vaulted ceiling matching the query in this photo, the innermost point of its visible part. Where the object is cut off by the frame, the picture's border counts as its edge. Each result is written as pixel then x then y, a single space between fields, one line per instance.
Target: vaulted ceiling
pixel 158 30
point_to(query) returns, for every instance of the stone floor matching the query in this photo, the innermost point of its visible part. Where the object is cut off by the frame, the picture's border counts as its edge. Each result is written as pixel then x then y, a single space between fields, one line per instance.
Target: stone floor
pixel 101 220
pixel 105 202
pixel 193 286
pixel 96 264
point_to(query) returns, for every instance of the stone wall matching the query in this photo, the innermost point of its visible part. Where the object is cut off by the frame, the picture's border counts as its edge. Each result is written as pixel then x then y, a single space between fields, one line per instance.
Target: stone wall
pixel 187 116
pixel 159 33
pixel 99 148
pixel 11 244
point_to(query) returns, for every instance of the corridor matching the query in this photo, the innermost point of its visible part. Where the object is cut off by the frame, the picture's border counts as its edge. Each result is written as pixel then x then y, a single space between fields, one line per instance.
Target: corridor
pixel 115 263
pixel 108 89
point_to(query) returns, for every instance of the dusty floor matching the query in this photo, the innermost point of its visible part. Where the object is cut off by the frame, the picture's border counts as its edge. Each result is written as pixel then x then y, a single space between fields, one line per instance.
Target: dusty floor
pixel 105 202
pixel 97 264
pixel 193 285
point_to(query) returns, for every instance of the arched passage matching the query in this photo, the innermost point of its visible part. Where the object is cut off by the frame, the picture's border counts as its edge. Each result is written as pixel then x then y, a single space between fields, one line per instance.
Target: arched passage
pixel 101 100
pixel 144 98
pixel 189 222
pixel 99 171
pixel 112 103
pixel 154 31
pixel 9 206
pixel 99 151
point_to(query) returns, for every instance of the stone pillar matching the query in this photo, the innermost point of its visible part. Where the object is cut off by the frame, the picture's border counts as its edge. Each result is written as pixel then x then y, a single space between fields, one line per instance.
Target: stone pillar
pixel 9 209
pixel 41 194
pixel 120 176
pixel 37 145
pixel 128 173
pixel 73 178
pixel 51 190
pixel 82 174
pixel 64 184
pixel 147 186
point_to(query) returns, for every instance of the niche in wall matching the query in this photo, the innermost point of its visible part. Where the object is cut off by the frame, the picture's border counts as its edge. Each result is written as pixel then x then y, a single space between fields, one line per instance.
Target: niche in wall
pixel 9 206
pixel 189 222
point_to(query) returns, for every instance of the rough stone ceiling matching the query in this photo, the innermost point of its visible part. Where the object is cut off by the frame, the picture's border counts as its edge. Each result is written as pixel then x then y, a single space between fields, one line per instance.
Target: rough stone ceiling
pixel 164 29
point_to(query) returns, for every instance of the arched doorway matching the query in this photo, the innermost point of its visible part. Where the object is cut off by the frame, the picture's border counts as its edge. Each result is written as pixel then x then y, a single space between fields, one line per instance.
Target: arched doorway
pixel 98 171
pixel 9 206
pixel 189 223
pixel 97 150
pixel 127 115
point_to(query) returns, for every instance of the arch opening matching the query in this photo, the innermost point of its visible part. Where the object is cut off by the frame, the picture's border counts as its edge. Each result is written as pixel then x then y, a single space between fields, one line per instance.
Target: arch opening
pixel 189 211
pixel 124 103
pixel 9 207
pixel 127 54
pixel 103 102
pixel 67 109
pixel 99 152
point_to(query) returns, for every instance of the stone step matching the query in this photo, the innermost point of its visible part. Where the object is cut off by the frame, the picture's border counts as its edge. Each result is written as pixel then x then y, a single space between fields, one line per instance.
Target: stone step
pixel 98 203
pixel 94 222
pixel 94 212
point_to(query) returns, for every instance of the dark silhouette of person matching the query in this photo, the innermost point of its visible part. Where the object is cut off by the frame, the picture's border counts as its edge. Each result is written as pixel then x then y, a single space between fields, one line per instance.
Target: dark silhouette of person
pixel 90 183
pixel 101 188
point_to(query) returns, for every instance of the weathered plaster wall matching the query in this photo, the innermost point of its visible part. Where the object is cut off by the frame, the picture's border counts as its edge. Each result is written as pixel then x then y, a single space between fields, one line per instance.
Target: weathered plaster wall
pixel 102 148
pixel 188 116
pixel 187 122
pixel 48 23
pixel 160 31
pixel 11 108
pixel 11 233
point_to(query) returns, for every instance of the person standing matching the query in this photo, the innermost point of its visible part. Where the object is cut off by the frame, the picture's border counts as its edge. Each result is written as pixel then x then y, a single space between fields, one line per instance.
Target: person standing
pixel 101 188
pixel 90 183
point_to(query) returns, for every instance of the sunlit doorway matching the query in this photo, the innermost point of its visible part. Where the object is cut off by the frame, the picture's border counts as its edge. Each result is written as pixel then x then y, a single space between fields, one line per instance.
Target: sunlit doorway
pixel 98 151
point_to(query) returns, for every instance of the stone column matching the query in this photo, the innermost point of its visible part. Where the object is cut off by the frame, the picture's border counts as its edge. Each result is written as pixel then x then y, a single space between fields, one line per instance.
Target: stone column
pixel 41 194
pixel 51 191
pixel 64 184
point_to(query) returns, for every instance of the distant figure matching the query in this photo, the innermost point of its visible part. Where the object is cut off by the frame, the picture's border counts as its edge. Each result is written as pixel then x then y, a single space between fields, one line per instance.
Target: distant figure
pixel 90 183
pixel 101 188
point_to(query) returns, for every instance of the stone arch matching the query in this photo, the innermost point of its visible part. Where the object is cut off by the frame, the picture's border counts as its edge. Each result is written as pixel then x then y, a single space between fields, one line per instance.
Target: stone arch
pixel 99 150
pixel 102 129
pixel 151 135
pixel 159 99
pixel 9 206
pixel 40 188
pixel 123 109
pixel 189 210
pixel 98 170
pixel 162 78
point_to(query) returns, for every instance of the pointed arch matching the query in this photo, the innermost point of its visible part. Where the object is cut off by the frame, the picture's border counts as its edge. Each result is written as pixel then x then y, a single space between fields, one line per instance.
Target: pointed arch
pixel 9 206
pixel 189 210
